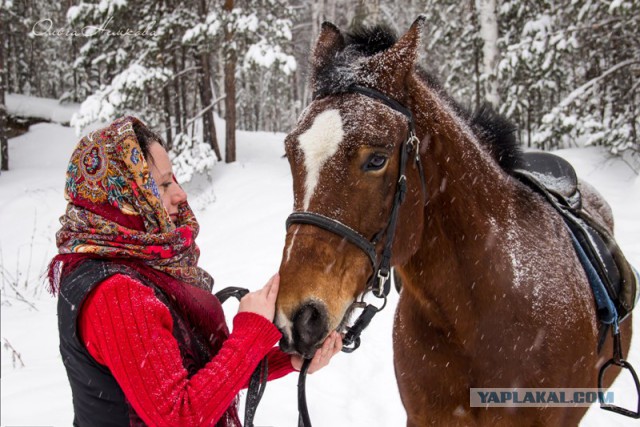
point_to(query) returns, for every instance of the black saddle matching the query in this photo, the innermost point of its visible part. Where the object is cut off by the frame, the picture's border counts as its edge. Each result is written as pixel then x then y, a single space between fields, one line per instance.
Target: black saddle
pixel 613 280
pixel 555 178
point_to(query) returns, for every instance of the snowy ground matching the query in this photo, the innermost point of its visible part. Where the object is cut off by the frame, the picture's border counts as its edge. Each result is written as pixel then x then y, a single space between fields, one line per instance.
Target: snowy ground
pixel 241 240
pixel 41 108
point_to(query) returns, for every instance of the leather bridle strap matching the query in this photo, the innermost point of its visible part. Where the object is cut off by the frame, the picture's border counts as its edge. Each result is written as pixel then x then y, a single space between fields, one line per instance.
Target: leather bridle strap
pixel 336 227
pixel 379 283
pixel 389 102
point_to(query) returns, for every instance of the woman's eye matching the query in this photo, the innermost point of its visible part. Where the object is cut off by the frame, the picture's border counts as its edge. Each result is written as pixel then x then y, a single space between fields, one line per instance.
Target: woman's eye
pixel 375 162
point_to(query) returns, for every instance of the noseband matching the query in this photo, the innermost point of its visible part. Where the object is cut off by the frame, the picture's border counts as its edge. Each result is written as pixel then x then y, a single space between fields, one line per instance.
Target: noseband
pixel 378 283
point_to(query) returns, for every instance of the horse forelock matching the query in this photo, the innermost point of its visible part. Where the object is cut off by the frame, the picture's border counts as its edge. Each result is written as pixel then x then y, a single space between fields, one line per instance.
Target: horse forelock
pixel 346 67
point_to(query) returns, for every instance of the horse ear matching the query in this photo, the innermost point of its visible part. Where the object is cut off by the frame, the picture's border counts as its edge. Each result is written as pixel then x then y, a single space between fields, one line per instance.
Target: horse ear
pixel 329 42
pixel 399 58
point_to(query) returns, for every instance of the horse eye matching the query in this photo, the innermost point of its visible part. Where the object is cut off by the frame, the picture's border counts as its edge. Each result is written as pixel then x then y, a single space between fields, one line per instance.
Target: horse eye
pixel 376 162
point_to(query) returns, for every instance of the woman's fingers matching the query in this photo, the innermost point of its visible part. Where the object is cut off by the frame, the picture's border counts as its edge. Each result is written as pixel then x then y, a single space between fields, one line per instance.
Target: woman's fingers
pixel 272 291
pixel 263 301
pixel 331 346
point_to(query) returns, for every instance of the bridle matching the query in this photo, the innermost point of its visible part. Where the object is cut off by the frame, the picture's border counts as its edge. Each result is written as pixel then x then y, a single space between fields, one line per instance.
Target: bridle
pixel 378 283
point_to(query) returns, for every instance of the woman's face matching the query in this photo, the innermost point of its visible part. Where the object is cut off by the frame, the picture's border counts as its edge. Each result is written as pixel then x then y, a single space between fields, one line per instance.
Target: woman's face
pixel 170 192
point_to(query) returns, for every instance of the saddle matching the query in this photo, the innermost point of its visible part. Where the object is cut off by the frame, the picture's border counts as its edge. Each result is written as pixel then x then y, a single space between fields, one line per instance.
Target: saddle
pixel 613 280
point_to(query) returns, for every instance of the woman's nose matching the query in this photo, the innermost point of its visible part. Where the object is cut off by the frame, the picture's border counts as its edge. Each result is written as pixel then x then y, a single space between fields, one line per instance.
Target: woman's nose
pixel 179 196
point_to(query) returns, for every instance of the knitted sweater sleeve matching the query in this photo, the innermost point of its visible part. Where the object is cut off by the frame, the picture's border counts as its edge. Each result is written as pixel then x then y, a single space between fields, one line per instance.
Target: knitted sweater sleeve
pixel 126 328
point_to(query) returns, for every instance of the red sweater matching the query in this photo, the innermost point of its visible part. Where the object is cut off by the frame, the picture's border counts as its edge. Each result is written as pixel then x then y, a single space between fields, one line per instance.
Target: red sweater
pixel 127 329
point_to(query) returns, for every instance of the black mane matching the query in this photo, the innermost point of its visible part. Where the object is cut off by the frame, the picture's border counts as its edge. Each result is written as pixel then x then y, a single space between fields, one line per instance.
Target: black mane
pixel 495 132
pixel 371 40
pixel 498 135
pixel 336 76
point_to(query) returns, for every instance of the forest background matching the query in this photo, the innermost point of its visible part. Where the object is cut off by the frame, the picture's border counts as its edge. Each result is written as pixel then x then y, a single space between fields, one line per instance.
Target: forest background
pixel 565 72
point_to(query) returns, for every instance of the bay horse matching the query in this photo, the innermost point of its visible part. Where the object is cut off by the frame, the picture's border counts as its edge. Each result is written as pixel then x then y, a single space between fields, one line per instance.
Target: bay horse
pixel 493 294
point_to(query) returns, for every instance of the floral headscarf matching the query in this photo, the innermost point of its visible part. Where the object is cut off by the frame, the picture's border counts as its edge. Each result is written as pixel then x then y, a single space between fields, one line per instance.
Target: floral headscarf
pixel 115 210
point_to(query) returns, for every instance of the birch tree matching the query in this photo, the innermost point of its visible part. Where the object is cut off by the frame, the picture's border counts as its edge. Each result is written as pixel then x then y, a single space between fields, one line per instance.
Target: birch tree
pixel 488 20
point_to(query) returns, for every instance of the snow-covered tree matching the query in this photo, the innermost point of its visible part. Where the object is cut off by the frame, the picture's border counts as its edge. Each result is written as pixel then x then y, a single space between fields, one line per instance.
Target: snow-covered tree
pixel 569 72
pixel 601 103
pixel 253 37
pixel 135 63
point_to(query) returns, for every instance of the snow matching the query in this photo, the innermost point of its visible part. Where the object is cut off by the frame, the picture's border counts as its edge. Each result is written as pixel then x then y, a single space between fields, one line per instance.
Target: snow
pixel 242 240
pixel 203 31
pixel 104 104
pixel 265 55
pixel 39 108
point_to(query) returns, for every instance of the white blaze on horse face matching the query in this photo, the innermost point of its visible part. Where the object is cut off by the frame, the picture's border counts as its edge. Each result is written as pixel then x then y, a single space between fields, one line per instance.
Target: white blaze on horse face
pixel 319 143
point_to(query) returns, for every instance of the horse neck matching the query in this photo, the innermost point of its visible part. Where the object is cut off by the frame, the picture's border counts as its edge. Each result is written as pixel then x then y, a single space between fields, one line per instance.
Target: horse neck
pixel 468 194
pixel 461 174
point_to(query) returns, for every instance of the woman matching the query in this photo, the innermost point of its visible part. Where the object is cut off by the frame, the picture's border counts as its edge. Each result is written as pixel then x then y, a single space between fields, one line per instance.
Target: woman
pixel 142 338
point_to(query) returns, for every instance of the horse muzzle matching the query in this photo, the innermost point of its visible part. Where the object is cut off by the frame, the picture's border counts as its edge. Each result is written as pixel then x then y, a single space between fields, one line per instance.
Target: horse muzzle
pixel 306 331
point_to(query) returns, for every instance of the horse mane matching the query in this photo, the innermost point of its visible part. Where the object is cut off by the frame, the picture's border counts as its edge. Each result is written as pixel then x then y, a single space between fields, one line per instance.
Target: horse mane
pixel 495 132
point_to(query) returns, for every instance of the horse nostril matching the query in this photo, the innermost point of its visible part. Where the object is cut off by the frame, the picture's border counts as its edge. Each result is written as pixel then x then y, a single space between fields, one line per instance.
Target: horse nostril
pixel 286 345
pixel 309 327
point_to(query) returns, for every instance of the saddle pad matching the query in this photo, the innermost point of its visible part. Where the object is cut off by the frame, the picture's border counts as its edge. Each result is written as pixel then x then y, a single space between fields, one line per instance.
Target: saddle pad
pixel 601 250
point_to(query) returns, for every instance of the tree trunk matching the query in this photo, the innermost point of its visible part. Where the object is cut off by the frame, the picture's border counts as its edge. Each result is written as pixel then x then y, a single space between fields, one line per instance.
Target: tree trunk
pixel 167 116
pixel 206 99
pixel 4 144
pixel 488 18
pixel 206 95
pixel 183 90
pixel 230 90
pixel 177 111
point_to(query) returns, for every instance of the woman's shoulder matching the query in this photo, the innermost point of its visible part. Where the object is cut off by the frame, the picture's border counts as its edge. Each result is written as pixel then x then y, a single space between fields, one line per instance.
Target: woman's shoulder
pixel 123 292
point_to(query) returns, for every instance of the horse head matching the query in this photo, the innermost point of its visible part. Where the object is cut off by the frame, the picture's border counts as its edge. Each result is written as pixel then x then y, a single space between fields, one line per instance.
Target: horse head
pixel 345 156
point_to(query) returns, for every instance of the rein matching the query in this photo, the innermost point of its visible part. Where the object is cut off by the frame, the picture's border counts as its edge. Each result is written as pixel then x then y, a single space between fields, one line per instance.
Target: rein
pixel 378 283
pixel 258 381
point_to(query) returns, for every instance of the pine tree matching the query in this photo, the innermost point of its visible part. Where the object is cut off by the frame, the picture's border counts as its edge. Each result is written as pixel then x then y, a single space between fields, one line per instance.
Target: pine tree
pixel 601 107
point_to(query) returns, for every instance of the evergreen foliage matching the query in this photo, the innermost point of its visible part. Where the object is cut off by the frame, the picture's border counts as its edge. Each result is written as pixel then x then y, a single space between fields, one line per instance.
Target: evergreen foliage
pixel 568 72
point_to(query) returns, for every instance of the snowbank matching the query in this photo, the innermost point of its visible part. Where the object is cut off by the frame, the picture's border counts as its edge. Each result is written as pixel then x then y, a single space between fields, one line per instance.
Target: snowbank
pixel 32 107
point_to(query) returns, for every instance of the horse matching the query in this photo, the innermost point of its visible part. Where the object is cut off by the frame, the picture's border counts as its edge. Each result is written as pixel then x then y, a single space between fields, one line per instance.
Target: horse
pixel 492 291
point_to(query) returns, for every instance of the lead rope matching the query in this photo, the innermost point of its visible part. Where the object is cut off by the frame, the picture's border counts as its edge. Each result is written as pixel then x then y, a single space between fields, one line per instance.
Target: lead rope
pixel 379 283
pixel 303 411
pixel 258 381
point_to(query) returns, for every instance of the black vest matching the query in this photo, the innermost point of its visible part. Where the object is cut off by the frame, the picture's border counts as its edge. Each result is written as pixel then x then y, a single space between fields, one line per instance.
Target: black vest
pixel 98 400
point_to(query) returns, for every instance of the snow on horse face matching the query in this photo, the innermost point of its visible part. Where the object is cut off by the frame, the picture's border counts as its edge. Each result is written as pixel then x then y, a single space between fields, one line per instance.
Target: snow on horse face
pixel 493 294
pixel 344 162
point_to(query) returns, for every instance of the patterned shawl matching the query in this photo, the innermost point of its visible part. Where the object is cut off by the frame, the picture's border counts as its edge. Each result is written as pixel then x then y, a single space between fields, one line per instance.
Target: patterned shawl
pixel 115 210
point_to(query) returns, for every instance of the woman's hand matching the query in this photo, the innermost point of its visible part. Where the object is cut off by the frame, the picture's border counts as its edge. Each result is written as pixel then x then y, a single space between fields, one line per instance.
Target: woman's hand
pixel 263 301
pixel 330 347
